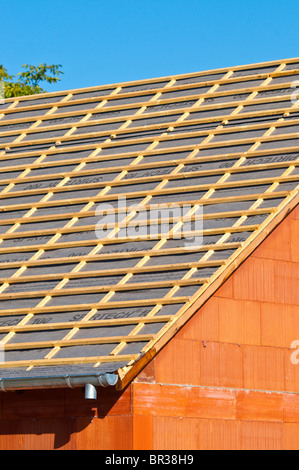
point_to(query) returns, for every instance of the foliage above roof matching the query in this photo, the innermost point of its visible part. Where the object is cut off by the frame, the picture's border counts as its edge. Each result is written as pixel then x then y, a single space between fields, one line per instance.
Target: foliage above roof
pixel 28 82
pixel 124 207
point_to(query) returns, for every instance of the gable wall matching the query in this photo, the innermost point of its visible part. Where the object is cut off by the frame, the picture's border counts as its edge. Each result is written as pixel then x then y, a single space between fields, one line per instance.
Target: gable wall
pixel 226 380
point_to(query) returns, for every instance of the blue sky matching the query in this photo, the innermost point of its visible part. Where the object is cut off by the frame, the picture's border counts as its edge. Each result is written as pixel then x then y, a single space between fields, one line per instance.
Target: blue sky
pixel 100 42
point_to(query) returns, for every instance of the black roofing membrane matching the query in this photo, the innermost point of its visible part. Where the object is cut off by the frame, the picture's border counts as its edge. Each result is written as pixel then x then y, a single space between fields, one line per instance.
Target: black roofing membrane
pixel 130 284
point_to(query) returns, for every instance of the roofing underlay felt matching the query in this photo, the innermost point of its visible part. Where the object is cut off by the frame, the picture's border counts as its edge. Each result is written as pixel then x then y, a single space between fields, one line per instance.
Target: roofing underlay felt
pixel 124 207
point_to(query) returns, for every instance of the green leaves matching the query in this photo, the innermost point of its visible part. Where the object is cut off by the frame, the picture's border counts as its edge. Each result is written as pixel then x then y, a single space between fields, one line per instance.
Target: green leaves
pixel 3 74
pixel 27 82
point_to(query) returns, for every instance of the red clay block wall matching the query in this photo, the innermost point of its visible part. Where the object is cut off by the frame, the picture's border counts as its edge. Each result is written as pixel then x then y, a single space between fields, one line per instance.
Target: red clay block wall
pixel 226 381
pixel 63 419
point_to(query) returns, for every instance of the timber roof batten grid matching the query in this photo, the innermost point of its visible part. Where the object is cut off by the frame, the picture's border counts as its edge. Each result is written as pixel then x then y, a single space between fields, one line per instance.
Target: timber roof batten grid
pixel 73 303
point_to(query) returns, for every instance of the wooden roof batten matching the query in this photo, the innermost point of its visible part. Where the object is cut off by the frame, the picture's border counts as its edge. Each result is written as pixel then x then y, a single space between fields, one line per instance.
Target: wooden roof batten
pixel 224 141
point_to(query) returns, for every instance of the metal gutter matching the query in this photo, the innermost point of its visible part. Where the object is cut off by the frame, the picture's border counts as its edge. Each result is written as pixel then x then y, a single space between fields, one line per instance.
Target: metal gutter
pixel 90 382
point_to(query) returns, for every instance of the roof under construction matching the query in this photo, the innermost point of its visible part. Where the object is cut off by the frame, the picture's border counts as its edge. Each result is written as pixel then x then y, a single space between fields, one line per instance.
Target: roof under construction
pixel 124 207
